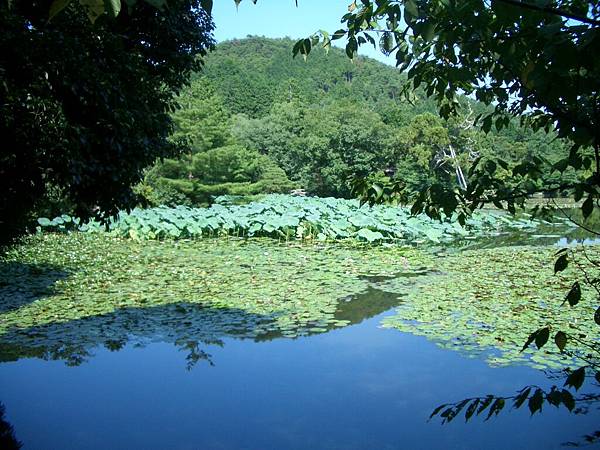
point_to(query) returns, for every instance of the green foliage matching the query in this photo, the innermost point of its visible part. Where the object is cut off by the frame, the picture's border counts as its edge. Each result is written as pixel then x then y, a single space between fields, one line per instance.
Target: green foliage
pixel 201 120
pixel 532 396
pixel 304 218
pixel 92 109
pixel 320 132
pixel 523 52
pixel 215 164
pixel 320 147
pixel 253 74
pixel 485 302
pixel 197 178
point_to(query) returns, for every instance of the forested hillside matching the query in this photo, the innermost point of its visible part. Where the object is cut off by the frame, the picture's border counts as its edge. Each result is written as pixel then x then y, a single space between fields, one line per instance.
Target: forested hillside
pixel 256 120
pixel 254 73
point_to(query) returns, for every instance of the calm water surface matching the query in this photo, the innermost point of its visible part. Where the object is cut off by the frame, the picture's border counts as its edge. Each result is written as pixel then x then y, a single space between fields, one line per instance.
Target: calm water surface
pixel 360 387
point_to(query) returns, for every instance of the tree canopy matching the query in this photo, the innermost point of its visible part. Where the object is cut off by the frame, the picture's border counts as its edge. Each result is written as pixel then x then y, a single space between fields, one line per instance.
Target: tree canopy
pixel 536 60
pixel 85 107
pixel 329 118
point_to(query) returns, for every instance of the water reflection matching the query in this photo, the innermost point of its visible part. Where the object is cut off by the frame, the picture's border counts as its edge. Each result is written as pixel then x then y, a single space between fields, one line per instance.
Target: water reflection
pixel 358 388
pixel 190 327
pixel 187 326
pixel 546 235
pixel 8 440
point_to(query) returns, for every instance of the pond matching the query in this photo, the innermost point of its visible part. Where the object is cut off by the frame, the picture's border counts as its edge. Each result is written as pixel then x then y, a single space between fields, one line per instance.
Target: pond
pixel 252 344
pixel 357 387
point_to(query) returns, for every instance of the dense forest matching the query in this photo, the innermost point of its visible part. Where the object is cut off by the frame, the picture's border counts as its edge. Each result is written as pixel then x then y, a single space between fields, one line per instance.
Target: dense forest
pixel 256 120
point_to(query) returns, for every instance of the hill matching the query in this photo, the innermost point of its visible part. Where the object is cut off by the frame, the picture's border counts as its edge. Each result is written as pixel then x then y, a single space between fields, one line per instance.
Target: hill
pixel 256 120
pixel 251 74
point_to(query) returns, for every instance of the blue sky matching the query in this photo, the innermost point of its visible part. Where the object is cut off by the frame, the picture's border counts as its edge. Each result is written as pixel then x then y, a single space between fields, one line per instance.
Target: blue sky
pixel 281 18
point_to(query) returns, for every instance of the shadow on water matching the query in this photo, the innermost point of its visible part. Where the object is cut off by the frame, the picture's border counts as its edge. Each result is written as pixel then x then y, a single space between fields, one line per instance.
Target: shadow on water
pixel 21 284
pixel 188 326
pixel 8 440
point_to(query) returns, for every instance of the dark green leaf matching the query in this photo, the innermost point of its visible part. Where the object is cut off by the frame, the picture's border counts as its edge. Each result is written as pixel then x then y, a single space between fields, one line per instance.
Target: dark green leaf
pixel 542 337
pixel 588 206
pixel 567 399
pixel 57 6
pixel 560 339
pixel 410 7
pixel 485 403
pixel 496 408
pixel 113 7
pixel 437 410
pixel 471 409
pixel 428 32
pixel 338 35
pixel 576 378
pixel 207 5
pixel 530 339
pixel 561 263
pixel 554 397
pixel 536 401
pixel 574 294
pixel 520 399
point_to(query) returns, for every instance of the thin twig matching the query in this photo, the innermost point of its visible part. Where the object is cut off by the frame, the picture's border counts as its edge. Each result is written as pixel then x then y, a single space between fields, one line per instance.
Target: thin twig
pixel 580 225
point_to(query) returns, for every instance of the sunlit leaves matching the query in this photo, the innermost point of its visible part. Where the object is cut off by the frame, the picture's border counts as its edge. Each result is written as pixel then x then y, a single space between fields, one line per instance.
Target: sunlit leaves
pixel 108 287
pixel 434 44
pixel 504 294
pixel 281 216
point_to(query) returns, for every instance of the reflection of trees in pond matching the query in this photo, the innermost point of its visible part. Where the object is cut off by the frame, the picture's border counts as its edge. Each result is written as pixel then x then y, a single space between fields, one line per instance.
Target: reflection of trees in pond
pixel 534 398
pixel 8 440
pixel 357 308
pixel 366 305
pixel 188 326
pixel 560 227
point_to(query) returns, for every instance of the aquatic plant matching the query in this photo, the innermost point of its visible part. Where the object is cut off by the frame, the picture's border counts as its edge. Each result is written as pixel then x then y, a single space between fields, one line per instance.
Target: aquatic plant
pixel 287 217
pixel 61 295
pixel 81 290
pixel 487 301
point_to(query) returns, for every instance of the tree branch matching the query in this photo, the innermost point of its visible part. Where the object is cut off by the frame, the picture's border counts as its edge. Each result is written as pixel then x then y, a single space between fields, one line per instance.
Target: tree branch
pixel 553 11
